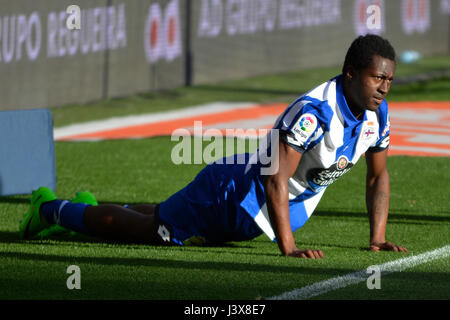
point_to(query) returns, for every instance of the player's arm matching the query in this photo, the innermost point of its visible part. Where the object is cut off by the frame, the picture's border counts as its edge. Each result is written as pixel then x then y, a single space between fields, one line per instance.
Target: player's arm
pixel 277 197
pixel 377 200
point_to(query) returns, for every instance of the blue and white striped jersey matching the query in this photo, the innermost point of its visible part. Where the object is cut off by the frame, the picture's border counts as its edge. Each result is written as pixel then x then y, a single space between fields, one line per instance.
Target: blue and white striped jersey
pixel 321 126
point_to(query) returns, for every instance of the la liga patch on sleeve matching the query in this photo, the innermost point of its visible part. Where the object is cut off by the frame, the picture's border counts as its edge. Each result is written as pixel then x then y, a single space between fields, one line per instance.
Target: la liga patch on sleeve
pixel 305 127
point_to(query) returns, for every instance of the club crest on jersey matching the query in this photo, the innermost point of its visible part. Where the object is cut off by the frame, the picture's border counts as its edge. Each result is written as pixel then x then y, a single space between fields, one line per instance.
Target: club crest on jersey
pixel 368 132
pixel 342 163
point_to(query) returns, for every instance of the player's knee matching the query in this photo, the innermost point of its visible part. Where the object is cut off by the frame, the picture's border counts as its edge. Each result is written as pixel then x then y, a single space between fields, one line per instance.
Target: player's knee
pixel 109 222
pixel 147 228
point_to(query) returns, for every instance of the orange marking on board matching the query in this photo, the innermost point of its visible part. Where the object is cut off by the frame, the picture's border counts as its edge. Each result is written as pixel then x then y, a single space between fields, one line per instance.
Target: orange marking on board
pixel 399 136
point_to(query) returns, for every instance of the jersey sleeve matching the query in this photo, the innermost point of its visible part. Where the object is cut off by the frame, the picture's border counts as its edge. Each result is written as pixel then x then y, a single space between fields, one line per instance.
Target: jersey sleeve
pixel 299 126
pixel 385 128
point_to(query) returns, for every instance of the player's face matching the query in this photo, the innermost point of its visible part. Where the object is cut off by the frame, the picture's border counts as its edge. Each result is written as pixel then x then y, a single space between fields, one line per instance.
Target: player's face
pixel 370 86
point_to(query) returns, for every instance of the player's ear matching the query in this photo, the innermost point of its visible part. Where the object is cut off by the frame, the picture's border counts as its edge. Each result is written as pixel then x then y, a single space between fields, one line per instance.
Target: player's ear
pixel 350 72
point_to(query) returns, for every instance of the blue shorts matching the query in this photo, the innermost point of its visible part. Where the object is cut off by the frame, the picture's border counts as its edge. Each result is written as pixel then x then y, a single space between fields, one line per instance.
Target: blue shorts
pixel 207 210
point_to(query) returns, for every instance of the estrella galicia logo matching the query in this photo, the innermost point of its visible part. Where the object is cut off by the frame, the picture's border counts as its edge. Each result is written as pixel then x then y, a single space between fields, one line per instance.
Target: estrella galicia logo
pixel 319 178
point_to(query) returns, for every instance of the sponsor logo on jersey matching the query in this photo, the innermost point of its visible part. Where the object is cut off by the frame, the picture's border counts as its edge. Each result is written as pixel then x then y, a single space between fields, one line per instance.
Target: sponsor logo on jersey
pixel 319 178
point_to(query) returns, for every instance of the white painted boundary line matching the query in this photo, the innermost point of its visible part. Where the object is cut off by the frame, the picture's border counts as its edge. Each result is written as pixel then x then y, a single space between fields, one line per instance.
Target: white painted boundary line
pixel 419 149
pixel 325 286
pixel 126 121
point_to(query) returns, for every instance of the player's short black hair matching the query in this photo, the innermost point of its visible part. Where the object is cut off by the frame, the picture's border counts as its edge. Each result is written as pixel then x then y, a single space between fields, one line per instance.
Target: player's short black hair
pixel 362 50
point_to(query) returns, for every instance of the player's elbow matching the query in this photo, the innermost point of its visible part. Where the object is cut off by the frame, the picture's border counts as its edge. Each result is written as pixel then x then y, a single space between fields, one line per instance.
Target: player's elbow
pixel 275 185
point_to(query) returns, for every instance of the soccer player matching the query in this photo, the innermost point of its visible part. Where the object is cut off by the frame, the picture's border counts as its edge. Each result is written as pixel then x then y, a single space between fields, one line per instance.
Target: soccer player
pixel 318 138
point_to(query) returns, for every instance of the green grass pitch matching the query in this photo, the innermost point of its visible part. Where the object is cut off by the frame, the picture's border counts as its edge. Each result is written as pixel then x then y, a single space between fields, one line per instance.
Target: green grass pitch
pixel 140 171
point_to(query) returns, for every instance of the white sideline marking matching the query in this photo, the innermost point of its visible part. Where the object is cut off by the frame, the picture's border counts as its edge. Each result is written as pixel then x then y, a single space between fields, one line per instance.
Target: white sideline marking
pixel 126 121
pixel 325 286
pixel 419 149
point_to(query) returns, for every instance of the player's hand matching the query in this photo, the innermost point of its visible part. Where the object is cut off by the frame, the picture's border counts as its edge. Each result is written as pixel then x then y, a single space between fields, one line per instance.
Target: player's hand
pixel 306 254
pixel 386 246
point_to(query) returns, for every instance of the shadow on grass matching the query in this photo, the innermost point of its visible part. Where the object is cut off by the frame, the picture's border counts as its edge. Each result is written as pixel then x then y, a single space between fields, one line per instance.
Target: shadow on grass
pixel 70 238
pixel 247 248
pixel 174 264
pixel 26 200
pixel 15 200
pixel 397 217
pixel 13 237
pixel 393 216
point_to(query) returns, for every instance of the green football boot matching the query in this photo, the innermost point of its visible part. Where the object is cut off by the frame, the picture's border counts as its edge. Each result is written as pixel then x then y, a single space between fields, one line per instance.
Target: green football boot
pixel 85 197
pixel 80 197
pixel 31 223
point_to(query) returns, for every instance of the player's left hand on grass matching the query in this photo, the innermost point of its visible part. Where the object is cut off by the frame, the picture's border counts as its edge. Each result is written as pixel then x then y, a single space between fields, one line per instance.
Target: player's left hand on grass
pixel 306 254
pixel 386 246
